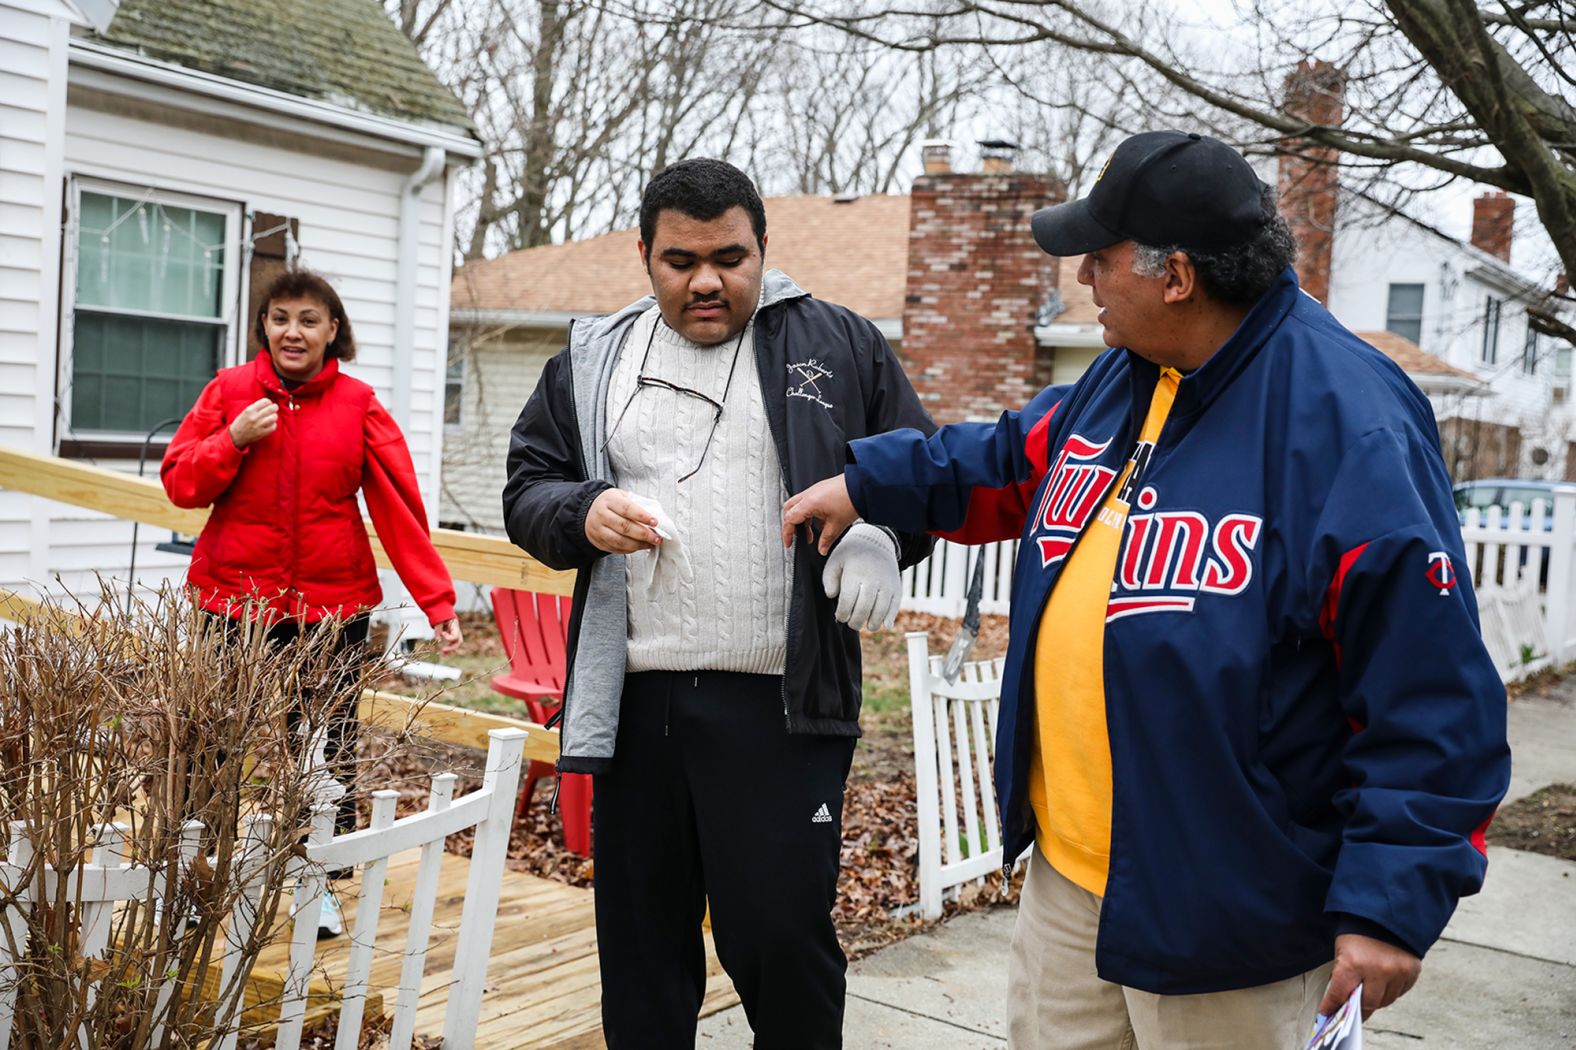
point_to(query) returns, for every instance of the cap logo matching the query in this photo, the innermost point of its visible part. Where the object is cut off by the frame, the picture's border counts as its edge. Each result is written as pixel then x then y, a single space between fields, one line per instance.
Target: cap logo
pixel 1103 167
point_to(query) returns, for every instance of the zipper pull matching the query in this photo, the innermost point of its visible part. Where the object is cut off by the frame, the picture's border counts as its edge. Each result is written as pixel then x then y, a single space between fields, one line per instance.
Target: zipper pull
pixel 558 782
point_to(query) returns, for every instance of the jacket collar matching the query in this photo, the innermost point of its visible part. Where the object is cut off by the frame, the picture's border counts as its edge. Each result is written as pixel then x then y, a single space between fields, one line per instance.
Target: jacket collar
pixel 263 370
pixel 1206 382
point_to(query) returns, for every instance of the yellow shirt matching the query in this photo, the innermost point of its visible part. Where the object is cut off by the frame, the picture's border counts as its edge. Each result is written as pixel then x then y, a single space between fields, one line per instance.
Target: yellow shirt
pixel 1070 773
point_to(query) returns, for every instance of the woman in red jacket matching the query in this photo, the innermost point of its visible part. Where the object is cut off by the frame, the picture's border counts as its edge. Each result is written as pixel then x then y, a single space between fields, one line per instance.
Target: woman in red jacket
pixel 280 447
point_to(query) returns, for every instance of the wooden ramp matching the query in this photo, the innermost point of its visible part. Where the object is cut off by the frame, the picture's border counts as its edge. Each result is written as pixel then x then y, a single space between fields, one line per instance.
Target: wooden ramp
pixel 542 984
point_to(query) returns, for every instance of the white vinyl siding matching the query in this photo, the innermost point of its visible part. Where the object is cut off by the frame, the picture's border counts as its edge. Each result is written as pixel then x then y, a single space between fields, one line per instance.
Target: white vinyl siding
pixel 33 45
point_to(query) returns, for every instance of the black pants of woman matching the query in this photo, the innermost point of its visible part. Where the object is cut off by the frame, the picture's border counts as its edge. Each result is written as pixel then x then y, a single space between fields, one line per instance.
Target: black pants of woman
pixel 343 729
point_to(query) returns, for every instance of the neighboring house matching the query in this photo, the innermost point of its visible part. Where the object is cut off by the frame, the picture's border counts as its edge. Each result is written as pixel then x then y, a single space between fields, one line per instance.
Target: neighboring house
pixel 160 160
pixel 1465 304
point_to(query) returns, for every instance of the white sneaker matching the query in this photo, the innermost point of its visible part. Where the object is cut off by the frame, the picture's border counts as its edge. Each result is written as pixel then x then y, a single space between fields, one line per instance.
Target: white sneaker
pixel 329 921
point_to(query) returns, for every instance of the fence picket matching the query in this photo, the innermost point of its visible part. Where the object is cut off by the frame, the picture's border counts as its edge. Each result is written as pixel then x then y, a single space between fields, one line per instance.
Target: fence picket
pixel 13 937
pixel 504 749
pixel 423 900
pixel 358 968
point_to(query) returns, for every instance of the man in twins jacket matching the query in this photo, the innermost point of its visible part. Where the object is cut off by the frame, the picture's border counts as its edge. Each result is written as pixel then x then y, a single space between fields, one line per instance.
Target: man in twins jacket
pixel 1248 725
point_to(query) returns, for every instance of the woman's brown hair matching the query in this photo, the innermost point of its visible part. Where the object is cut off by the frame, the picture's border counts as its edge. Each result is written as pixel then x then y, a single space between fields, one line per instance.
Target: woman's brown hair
pixel 304 284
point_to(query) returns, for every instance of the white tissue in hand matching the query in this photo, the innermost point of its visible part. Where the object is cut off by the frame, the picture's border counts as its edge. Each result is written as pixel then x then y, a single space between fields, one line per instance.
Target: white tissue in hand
pixel 662 567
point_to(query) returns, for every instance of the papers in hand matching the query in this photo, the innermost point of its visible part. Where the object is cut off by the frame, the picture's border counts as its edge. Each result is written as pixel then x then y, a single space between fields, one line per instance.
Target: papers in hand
pixel 1342 1030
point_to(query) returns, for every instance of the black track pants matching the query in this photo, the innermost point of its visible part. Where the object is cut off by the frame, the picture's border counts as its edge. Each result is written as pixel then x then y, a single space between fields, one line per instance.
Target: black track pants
pixel 710 798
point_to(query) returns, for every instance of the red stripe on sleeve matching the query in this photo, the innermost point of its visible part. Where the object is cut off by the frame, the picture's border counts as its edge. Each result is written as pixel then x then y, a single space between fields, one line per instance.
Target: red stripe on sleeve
pixel 1332 597
pixel 1478 837
pixel 1001 514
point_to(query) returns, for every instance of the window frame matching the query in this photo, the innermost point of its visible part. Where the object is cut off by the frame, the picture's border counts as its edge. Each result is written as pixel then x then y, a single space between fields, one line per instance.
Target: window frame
pixel 1529 351
pixel 458 348
pixel 1391 316
pixel 232 287
pixel 1493 313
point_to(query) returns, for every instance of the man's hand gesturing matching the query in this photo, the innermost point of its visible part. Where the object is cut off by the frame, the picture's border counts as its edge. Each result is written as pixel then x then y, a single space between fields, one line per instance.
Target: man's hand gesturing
pixel 618 525
pixel 825 500
pixel 1386 973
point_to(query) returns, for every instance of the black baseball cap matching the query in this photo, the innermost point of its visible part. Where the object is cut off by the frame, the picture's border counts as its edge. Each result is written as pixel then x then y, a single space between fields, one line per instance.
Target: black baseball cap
pixel 1161 188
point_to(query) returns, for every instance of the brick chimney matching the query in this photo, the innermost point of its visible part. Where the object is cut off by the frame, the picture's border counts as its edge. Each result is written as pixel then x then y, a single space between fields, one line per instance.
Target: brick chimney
pixel 1493 218
pixel 1309 178
pixel 976 281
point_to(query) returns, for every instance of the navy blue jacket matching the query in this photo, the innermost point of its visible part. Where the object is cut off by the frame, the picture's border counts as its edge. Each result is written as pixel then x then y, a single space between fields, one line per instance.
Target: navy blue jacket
pixel 1307 734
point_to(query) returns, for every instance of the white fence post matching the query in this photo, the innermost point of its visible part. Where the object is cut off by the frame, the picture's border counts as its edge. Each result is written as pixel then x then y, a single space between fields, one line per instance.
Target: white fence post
pixel 364 935
pixel 423 897
pixel 19 857
pixel 1557 612
pixel 481 894
pixel 925 781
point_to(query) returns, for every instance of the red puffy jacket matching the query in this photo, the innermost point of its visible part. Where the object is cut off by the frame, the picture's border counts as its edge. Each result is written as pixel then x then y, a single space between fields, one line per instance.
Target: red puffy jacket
pixel 286 531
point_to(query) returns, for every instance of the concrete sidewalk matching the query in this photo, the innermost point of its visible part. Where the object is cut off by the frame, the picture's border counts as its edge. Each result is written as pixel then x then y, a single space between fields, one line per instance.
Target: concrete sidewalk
pixel 1502 978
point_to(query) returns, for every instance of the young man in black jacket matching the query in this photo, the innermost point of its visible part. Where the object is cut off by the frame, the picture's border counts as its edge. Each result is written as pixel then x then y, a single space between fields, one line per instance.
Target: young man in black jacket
pixel 714 679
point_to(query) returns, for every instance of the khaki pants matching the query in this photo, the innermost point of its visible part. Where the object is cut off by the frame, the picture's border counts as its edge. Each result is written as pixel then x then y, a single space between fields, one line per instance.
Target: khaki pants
pixel 1056 1002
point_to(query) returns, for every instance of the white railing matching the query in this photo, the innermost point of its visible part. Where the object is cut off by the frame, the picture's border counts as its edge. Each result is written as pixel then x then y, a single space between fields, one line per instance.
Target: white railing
pixel 954 751
pixel 940 584
pixel 1520 564
pixel 490 810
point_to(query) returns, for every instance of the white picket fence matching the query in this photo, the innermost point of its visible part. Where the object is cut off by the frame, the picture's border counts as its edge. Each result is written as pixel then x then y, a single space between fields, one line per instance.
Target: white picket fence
pixel 954 752
pixel 111 878
pixel 940 584
pixel 1520 564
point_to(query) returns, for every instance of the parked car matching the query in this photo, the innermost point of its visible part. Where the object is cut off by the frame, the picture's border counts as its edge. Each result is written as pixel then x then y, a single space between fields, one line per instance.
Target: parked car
pixel 1502 492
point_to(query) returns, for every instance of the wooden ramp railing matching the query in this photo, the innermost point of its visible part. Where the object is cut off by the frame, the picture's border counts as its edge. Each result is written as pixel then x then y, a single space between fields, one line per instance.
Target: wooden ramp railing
pixel 469 556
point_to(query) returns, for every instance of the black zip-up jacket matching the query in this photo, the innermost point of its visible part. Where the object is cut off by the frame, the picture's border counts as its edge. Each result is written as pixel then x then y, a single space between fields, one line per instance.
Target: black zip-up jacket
pixel 827 377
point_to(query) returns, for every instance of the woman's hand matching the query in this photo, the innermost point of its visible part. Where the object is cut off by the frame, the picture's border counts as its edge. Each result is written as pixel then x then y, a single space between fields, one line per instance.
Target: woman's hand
pixel 448 635
pixel 256 421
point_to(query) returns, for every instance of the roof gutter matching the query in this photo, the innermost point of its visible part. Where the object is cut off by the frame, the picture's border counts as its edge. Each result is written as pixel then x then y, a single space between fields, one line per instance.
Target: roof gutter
pixel 91 55
pixel 1084 336
pixel 432 164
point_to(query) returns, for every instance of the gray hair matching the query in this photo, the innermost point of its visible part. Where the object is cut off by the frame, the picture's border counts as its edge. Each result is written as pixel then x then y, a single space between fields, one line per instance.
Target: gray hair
pixel 1237 276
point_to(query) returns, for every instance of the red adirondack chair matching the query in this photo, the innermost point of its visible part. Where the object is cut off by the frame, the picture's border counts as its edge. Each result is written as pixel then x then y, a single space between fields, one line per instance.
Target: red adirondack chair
pixel 535 631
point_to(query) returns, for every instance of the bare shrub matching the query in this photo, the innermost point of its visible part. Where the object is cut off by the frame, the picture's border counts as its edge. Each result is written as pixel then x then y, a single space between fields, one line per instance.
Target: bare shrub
pixel 172 743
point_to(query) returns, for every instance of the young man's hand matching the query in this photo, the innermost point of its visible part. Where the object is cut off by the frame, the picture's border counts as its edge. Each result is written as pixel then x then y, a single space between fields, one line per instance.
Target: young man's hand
pixel 861 574
pixel 618 525
pixel 1386 973
pixel 826 501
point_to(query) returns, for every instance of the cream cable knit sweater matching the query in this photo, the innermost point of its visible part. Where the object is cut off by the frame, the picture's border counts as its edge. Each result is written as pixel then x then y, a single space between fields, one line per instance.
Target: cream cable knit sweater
pixel 729 612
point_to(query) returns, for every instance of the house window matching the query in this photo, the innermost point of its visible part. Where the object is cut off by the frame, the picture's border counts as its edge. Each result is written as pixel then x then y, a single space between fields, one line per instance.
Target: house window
pixel 152 294
pixel 1562 368
pixel 1529 352
pixel 454 383
pixel 1491 311
pixel 1404 316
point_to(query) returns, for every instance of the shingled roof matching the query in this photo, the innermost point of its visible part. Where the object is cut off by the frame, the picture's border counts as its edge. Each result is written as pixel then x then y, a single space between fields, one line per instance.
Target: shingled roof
pixel 1413 359
pixel 345 52
pixel 851 252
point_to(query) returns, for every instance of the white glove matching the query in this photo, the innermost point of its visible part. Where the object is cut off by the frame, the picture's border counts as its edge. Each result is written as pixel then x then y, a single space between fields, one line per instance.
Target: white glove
pixel 862 574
